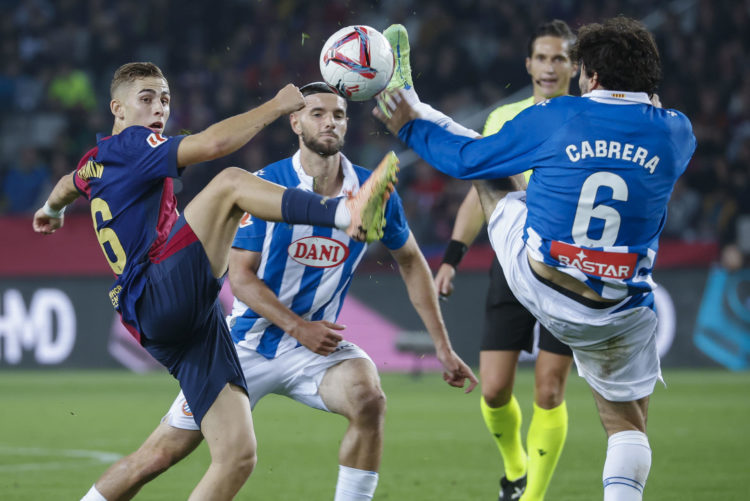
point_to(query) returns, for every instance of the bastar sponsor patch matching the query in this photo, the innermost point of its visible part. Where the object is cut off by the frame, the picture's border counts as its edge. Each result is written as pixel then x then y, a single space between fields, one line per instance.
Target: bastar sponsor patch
pixel 319 252
pixel 602 264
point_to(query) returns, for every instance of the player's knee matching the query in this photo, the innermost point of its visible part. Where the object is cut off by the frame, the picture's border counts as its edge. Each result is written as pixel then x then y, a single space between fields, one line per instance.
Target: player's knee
pixel 549 393
pixel 227 181
pixel 496 392
pixel 369 406
pixel 147 464
pixel 246 460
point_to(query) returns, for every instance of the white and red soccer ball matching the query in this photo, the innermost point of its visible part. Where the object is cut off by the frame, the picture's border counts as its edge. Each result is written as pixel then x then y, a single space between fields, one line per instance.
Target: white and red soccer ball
pixel 357 61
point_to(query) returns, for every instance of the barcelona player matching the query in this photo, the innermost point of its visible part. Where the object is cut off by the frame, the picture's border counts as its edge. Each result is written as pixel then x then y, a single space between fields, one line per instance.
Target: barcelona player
pixel 579 246
pixel 169 267
pixel 290 284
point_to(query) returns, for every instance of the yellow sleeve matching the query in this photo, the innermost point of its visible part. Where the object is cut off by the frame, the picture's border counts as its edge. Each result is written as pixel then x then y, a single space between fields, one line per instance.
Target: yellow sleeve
pixel 499 116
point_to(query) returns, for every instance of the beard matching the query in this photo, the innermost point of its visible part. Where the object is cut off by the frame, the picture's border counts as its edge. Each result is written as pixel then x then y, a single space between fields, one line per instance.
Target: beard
pixel 324 149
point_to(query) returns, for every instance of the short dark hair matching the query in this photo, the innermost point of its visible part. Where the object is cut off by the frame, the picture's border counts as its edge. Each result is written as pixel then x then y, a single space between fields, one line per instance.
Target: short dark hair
pixel 317 88
pixel 555 28
pixel 622 53
pixel 132 71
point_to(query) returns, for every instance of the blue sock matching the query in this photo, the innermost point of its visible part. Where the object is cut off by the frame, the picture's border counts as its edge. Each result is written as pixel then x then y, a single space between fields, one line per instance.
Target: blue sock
pixel 304 207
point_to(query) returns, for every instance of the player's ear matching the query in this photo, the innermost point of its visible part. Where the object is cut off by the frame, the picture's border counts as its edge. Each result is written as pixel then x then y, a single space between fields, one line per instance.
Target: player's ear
pixel 294 122
pixel 528 65
pixel 117 109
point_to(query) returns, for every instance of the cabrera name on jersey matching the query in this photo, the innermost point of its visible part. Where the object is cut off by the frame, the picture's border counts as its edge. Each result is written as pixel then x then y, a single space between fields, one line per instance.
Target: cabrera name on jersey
pixel 604 166
pixel 309 268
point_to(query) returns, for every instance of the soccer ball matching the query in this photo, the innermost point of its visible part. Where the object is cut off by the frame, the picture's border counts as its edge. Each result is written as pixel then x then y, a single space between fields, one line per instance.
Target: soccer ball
pixel 357 61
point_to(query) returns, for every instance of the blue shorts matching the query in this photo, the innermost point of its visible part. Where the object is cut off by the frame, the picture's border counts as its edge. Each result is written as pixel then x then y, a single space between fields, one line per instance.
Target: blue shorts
pixel 182 322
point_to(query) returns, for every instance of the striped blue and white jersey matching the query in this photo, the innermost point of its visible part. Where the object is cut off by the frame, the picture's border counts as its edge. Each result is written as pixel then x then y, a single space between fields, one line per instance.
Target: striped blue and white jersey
pixel 604 167
pixel 309 268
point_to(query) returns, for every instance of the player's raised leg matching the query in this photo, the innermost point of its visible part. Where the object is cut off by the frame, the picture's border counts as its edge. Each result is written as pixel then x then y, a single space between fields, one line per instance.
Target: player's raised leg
pixel 214 213
pixel 352 389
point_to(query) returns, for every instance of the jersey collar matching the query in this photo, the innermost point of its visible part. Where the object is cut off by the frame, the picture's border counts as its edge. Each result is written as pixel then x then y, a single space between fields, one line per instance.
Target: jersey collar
pixel 618 97
pixel 350 184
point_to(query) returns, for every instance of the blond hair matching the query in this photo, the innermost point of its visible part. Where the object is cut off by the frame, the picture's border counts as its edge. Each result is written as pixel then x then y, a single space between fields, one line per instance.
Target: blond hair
pixel 130 72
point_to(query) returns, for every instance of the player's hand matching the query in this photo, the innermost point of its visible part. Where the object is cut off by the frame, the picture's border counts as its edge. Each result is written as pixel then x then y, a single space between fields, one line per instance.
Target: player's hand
pixel 456 371
pixel 319 337
pixel 289 99
pixel 444 280
pixel 45 224
pixel 401 111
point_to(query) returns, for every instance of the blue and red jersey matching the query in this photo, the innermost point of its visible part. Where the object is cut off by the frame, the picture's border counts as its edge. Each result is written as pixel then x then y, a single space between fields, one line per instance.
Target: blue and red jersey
pixel 127 179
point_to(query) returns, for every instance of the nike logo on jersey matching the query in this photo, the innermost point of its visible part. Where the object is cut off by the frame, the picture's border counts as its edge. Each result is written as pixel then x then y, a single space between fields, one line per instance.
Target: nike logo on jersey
pixel 612 149
pixel 155 139
pixel 318 252
pixel 619 265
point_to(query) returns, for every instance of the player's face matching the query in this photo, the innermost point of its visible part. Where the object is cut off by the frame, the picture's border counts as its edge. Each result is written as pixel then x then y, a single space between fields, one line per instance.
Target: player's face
pixel 322 123
pixel 145 102
pixel 550 67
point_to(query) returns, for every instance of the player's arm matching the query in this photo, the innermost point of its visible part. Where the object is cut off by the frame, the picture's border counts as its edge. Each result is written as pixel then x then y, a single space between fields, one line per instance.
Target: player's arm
pixel 229 135
pixel 416 274
pixel 500 155
pixel 50 217
pixel 469 222
pixel 320 337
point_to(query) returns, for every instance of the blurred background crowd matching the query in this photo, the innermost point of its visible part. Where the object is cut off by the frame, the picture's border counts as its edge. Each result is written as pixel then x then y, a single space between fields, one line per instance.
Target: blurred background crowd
pixel 223 57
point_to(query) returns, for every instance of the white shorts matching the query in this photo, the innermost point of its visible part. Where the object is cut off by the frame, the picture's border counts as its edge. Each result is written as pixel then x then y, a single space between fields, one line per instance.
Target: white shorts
pixel 615 351
pixel 296 374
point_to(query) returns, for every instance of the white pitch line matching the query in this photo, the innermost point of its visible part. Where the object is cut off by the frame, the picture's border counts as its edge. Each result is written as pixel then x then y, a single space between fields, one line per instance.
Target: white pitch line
pixel 89 455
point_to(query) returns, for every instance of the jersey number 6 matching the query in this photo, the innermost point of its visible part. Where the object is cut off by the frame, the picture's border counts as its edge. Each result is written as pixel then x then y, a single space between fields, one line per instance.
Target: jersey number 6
pixel 108 236
pixel 587 210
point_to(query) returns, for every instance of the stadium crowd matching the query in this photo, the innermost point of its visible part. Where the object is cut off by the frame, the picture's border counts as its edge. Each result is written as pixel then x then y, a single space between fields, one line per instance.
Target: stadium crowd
pixel 58 58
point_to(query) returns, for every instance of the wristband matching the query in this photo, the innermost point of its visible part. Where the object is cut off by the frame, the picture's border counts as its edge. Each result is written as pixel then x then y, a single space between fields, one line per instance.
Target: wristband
pixel 454 253
pixel 50 212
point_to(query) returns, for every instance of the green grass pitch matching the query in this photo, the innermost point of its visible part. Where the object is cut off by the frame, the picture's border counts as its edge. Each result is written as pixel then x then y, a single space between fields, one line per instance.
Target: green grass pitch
pixel 60 430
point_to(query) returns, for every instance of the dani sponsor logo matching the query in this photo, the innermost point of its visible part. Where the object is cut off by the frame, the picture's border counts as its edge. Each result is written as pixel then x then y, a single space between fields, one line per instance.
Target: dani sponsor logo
pixel 319 252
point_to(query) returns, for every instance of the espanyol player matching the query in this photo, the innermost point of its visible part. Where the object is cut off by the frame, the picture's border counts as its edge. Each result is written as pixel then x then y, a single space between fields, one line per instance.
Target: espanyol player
pixel 290 284
pixel 579 246
pixel 169 267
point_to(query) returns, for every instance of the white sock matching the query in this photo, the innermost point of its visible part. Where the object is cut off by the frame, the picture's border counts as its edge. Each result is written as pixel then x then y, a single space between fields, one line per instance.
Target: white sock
pixel 626 467
pixel 93 495
pixel 355 485
pixel 430 114
pixel 342 218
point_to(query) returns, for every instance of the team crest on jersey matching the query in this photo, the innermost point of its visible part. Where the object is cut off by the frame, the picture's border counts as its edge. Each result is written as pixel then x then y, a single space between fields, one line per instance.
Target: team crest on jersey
pixel 186 409
pixel 155 139
pixel 318 252
pixel 246 220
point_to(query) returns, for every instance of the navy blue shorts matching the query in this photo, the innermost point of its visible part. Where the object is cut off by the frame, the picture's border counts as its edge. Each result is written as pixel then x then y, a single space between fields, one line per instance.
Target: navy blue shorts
pixel 182 322
pixel 508 325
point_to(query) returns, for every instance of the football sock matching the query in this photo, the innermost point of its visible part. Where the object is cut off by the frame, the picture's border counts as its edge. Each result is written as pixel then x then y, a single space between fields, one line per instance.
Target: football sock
pixel 93 495
pixel 544 442
pixel 505 425
pixel 304 207
pixel 626 467
pixel 355 485
pixel 430 114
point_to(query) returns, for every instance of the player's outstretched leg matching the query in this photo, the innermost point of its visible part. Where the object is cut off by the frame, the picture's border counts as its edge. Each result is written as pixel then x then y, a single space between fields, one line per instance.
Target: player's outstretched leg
pixel 214 214
pixel 367 206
